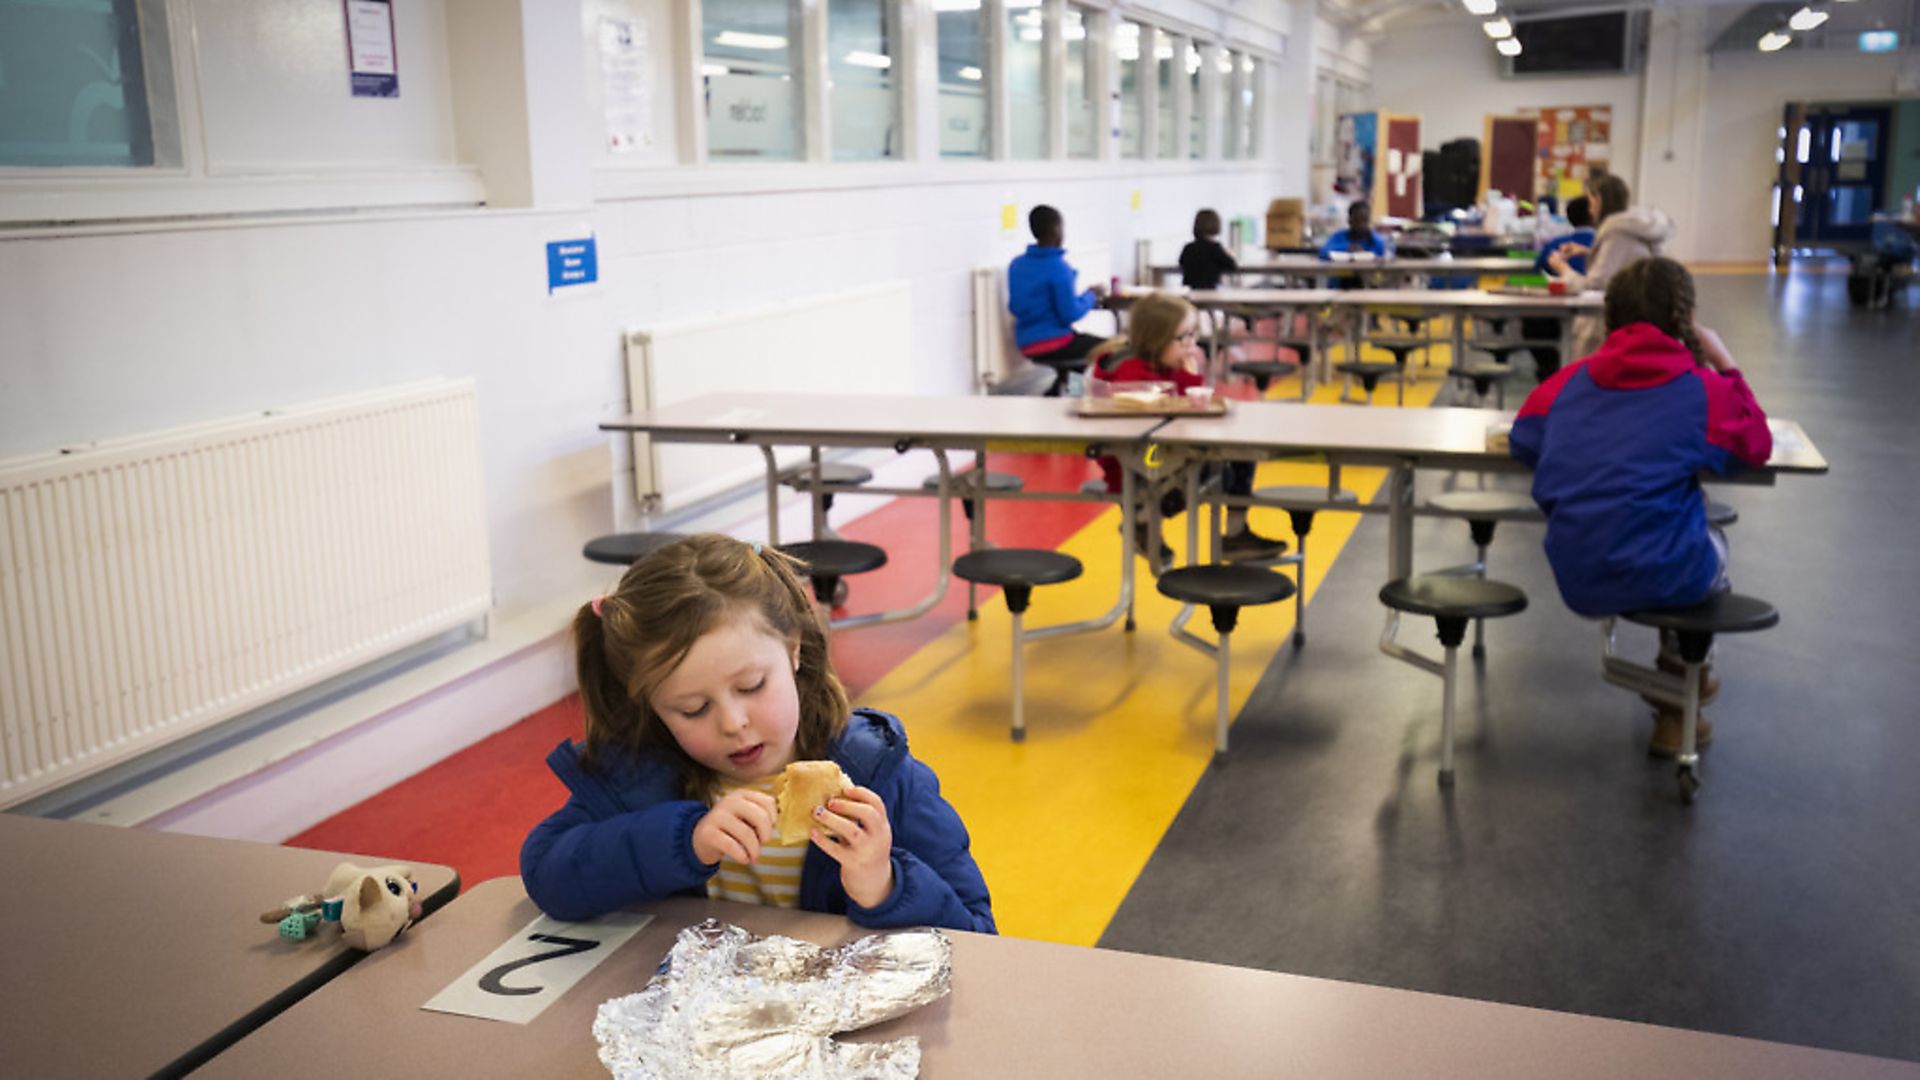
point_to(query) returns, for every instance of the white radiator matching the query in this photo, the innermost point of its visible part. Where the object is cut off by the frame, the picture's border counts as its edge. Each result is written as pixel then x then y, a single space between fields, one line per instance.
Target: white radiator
pixel 154 585
pixel 854 342
pixel 995 358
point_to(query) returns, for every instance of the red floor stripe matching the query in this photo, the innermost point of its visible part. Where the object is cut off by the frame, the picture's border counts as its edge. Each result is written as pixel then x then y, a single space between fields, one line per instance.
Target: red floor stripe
pixel 471 810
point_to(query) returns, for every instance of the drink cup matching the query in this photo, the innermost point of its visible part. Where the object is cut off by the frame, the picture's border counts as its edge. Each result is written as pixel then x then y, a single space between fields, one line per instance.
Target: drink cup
pixel 1200 397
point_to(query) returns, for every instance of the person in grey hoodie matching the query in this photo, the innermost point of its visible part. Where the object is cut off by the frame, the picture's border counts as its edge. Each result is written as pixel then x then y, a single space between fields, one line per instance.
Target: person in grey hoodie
pixel 1627 234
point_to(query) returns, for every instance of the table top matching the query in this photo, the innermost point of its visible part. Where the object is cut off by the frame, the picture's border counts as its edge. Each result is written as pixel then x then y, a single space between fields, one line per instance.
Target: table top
pixel 1018 1008
pixel 130 952
pixel 1436 299
pixel 1438 438
pixel 1260 263
pixel 877 420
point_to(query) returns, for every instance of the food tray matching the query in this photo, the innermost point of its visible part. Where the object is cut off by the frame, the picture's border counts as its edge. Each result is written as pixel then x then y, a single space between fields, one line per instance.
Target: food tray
pixel 1166 406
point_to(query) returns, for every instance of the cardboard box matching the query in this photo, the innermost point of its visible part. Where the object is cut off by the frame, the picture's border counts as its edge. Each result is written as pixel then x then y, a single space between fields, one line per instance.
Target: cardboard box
pixel 1286 222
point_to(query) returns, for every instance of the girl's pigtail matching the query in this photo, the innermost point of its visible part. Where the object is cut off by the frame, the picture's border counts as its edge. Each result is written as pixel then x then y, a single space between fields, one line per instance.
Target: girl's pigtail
pixel 1105 351
pixel 601 691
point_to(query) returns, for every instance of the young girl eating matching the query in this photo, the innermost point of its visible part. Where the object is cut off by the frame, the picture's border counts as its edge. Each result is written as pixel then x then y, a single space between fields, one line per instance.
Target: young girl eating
pixel 704 674
pixel 1162 345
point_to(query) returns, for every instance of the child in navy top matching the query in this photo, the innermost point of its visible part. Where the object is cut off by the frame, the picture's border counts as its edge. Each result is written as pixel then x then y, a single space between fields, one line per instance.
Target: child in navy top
pixel 1203 262
pixel 1618 442
pixel 1580 216
pixel 704 674
pixel 1358 236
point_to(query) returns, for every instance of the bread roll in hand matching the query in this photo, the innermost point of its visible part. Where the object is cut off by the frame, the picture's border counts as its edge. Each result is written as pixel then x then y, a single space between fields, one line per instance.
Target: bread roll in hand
pixel 799 790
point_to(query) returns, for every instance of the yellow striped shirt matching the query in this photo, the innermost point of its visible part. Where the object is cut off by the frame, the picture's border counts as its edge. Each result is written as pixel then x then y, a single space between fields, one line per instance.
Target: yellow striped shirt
pixel 774 880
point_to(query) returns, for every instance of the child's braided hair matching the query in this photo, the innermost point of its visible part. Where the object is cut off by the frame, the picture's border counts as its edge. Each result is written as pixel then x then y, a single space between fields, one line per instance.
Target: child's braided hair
pixel 1657 291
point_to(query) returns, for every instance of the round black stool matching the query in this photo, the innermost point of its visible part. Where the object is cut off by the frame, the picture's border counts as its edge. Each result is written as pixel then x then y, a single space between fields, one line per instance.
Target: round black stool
pixel 1484 511
pixel 1720 514
pixel 1484 378
pixel 1501 351
pixel 625 549
pixel 1725 613
pixel 1017 571
pixel 1369 372
pixel 1224 589
pixel 1401 348
pixel 1306 500
pixel 1451 600
pixel 827 561
pixel 966 484
pixel 1263 372
pixel 834 475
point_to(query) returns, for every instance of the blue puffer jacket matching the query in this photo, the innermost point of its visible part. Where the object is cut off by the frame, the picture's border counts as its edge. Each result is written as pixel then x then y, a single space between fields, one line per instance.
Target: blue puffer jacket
pixel 1042 295
pixel 625 837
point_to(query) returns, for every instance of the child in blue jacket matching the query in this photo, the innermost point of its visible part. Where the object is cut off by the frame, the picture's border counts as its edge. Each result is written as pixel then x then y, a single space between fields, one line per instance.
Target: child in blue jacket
pixel 704 674
pixel 1618 442
pixel 1046 301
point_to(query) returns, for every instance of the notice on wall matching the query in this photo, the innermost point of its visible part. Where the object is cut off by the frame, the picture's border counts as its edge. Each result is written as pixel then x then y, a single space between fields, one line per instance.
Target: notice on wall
pixel 572 262
pixel 626 83
pixel 372 58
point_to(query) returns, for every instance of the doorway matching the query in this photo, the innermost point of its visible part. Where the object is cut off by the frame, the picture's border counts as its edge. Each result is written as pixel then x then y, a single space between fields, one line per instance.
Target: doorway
pixel 1833 174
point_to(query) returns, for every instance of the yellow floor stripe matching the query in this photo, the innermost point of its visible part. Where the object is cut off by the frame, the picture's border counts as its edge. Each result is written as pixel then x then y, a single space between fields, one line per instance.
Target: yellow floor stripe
pixel 1119 726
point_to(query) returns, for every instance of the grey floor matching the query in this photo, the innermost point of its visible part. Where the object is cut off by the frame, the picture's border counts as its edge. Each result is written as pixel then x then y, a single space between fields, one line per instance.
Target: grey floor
pixel 1562 871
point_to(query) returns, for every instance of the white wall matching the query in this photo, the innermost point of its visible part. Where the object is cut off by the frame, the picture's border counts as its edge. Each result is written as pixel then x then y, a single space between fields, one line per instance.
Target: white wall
pixel 1444 71
pixel 270 81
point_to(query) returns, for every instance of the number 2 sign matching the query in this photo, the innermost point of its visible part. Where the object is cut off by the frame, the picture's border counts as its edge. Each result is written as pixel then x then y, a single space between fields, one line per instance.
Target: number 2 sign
pixel 529 971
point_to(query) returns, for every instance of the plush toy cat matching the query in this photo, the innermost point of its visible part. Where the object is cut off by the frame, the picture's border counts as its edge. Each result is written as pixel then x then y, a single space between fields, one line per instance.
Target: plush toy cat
pixel 372 906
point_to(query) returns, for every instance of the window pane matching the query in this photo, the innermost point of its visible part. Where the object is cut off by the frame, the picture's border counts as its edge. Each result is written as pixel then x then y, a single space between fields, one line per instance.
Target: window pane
pixel 1163 122
pixel 72 87
pixel 752 81
pixel 1026 79
pixel 961 39
pixel 1196 105
pixel 1249 91
pixel 1126 52
pixel 1082 104
pixel 862 85
pixel 1229 103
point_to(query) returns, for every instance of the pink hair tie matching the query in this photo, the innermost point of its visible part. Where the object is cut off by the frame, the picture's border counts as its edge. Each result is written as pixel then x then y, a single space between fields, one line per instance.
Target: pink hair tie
pixel 596 605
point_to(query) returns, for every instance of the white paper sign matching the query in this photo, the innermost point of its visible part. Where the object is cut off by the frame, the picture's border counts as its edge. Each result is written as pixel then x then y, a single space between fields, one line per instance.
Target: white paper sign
pixel 626 81
pixel 531 970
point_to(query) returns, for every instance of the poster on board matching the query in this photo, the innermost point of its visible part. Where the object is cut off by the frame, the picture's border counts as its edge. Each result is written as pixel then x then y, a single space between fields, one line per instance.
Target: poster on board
pixel 1574 141
pixel 1356 145
pixel 373 61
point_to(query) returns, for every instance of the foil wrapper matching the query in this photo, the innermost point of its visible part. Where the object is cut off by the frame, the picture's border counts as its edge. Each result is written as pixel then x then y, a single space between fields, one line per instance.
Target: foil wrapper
pixel 728 1003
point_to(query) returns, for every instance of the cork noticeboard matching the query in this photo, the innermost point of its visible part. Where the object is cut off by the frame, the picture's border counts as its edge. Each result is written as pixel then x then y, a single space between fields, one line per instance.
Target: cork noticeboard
pixel 1573 142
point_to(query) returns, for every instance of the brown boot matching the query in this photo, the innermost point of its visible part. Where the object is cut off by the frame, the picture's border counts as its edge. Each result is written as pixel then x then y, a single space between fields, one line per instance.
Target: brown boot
pixel 1667 725
pixel 1673 665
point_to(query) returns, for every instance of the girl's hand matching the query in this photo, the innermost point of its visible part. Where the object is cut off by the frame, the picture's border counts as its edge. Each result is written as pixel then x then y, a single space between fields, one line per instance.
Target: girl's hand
pixel 854 830
pixel 1572 248
pixel 1557 260
pixel 735 828
pixel 1712 349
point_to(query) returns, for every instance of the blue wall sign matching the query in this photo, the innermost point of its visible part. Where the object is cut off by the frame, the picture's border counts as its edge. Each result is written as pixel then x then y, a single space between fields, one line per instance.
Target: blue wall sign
pixel 571 262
